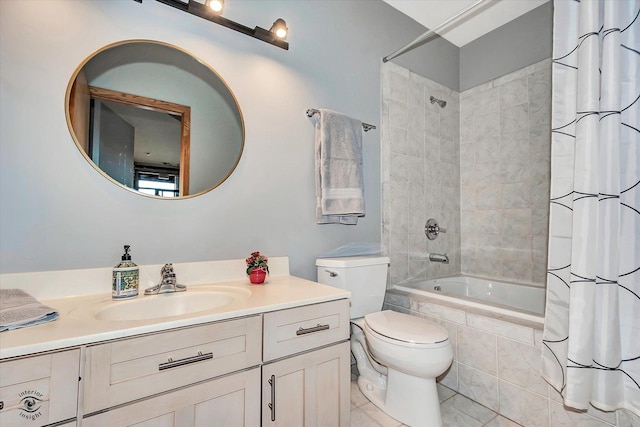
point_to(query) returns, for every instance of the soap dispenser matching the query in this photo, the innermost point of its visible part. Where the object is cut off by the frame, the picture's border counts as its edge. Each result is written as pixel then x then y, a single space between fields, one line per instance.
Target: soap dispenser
pixel 126 277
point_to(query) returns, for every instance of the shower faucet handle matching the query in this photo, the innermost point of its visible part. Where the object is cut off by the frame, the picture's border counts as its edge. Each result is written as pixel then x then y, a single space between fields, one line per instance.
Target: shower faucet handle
pixel 432 229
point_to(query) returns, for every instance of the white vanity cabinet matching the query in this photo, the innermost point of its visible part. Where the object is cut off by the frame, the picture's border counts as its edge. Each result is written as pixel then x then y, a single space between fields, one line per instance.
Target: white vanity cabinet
pixel 39 390
pixel 305 375
pixel 271 361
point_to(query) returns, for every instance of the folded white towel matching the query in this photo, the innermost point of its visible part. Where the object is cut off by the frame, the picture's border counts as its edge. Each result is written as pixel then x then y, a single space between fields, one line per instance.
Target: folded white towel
pixel 338 169
pixel 18 309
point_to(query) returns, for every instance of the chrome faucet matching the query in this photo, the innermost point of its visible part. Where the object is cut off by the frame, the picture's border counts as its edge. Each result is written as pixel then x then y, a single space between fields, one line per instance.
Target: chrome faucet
pixel 443 258
pixel 168 283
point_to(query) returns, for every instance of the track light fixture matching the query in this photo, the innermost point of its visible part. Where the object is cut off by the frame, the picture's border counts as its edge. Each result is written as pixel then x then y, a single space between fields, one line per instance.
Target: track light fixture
pixel 211 10
pixel 279 28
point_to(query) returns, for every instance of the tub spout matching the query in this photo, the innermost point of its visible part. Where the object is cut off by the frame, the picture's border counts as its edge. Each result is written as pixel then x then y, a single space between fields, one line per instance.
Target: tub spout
pixel 443 258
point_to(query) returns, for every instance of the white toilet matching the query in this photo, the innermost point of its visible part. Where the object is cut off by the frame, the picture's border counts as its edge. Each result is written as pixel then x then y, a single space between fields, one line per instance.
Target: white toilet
pixel 398 356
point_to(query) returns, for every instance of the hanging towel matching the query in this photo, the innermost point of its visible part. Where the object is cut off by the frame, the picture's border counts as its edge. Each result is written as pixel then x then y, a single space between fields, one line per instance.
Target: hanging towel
pixel 18 309
pixel 338 169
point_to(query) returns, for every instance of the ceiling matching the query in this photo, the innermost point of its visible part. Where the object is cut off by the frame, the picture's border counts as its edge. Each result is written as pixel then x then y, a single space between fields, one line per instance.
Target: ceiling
pixel 483 19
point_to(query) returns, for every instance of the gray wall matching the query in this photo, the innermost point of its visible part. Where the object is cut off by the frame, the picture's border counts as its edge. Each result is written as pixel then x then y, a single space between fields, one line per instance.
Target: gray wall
pixel 57 213
pixel 515 45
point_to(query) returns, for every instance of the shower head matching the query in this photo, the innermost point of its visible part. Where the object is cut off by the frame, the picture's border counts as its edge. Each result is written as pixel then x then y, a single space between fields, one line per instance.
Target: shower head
pixel 440 102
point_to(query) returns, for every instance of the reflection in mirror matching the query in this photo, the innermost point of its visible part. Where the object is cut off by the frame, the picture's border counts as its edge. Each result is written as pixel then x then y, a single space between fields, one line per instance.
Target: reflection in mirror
pixel 155 120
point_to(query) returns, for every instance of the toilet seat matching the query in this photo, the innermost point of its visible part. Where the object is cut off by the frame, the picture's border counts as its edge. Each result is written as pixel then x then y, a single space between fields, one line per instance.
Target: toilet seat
pixel 405 330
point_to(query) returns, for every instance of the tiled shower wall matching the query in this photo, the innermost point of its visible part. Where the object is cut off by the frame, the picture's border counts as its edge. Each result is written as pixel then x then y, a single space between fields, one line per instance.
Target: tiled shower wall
pixel 505 146
pixel 420 174
pixel 480 166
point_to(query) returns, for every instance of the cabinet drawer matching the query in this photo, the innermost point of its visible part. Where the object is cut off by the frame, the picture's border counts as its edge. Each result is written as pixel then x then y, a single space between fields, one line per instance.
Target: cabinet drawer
pixel 299 329
pixel 130 369
pixel 39 390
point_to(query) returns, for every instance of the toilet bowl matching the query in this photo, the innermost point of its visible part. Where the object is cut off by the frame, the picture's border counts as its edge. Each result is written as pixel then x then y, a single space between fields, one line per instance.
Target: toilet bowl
pixel 398 358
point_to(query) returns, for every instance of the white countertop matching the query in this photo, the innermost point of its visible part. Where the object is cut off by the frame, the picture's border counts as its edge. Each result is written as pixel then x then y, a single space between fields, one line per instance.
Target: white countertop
pixel 77 324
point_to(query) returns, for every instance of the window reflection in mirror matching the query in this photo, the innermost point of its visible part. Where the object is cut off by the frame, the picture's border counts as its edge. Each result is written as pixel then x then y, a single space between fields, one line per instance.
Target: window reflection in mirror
pixel 155 120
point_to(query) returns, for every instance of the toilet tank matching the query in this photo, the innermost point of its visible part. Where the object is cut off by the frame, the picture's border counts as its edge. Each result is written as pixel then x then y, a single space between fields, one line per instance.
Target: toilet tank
pixel 364 276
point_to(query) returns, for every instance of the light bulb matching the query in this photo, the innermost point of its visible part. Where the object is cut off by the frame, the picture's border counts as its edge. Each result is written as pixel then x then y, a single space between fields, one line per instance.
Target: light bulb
pixel 216 5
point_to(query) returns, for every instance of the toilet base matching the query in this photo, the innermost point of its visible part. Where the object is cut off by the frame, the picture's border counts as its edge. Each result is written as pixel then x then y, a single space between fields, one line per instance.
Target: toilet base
pixel 411 400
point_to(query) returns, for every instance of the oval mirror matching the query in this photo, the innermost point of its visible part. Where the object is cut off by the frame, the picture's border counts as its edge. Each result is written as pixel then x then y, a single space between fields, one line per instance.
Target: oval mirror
pixel 154 119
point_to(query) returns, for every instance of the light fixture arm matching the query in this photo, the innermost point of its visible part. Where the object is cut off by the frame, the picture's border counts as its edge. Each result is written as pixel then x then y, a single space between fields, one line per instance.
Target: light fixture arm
pixel 200 10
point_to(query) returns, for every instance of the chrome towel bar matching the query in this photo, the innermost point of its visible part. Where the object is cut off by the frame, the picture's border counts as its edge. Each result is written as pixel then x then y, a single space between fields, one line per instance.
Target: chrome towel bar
pixel 365 126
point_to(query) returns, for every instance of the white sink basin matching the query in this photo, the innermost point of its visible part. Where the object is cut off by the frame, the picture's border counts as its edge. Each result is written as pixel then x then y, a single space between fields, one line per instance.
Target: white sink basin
pixel 166 305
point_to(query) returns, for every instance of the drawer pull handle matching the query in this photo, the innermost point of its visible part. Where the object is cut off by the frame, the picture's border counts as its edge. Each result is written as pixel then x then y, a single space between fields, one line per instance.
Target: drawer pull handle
pixel 175 363
pixel 272 404
pixel 318 327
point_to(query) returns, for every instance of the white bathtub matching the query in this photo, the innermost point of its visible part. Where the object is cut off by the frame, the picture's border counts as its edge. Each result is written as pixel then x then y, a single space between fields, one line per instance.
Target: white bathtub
pixel 519 301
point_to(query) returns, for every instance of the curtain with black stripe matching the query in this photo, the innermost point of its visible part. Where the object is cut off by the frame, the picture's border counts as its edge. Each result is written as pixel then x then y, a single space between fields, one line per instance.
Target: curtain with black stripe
pixel 591 342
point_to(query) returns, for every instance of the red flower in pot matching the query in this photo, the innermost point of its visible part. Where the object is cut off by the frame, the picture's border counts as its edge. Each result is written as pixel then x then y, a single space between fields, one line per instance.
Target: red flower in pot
pixel 257 268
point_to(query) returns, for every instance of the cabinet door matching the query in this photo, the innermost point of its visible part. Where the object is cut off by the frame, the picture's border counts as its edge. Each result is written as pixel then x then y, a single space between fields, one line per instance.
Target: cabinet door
pixel 310 390
pixel 39 390
pixel 228 401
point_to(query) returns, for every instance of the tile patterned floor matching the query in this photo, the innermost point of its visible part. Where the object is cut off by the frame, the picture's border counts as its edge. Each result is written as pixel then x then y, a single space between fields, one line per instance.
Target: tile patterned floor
pixel 457 411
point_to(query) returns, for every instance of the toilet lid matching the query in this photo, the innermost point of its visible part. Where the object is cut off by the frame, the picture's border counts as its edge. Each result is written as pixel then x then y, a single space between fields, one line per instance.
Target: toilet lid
pixel 404 327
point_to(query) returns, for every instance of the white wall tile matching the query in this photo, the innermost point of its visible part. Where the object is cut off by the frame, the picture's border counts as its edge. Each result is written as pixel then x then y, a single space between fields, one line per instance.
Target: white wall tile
pixel 514 118
pixel 477 349
pixel 521 169
pixel 520 364
pixel 516 195
pixel 488 196
pixel 514 92
pixel 479 386
pixel 522 406
pixel 398 85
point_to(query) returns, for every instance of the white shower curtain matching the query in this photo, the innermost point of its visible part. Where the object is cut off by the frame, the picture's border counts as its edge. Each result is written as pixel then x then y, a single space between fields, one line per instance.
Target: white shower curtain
pixel 591 343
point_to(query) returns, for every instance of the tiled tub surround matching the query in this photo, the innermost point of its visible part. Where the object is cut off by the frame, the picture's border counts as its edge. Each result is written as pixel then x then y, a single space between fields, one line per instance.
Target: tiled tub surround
pixel 505 146
pixel 420 174
pixel 496 362
pixel 480 166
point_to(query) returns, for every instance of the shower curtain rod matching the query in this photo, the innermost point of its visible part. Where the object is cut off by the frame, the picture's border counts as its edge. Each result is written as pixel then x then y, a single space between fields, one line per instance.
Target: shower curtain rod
pixel 423 38
pixel 365 126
